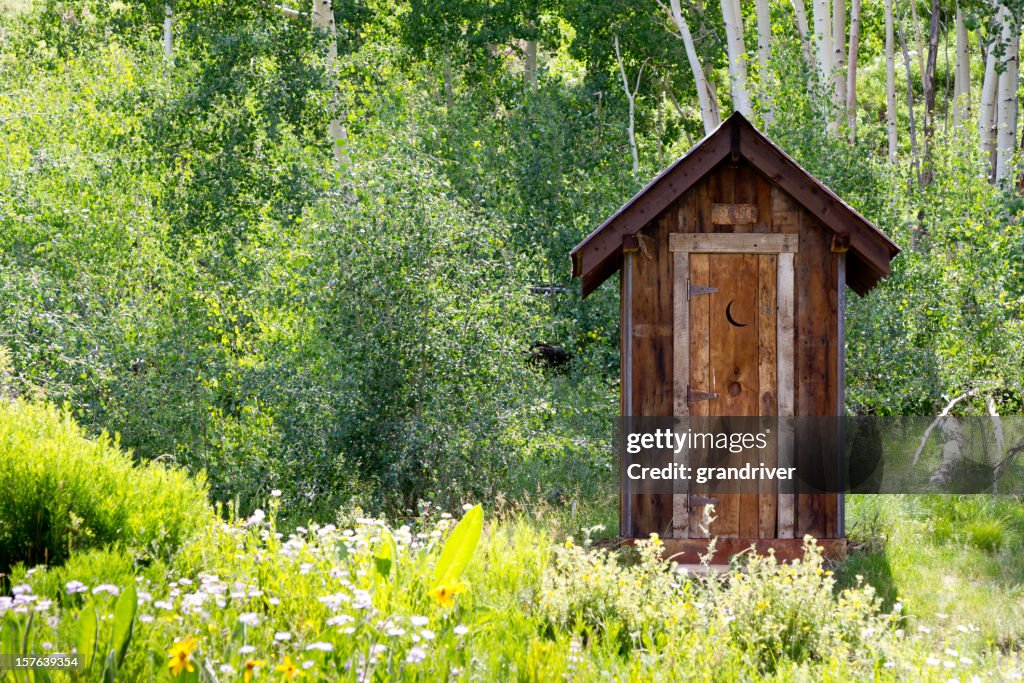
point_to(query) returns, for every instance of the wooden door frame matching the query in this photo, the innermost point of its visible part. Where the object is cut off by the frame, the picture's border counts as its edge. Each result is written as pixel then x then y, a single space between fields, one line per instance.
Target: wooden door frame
pixel 785 247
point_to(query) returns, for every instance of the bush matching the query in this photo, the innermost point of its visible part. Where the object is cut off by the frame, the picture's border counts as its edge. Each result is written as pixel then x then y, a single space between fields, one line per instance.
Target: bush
pixel 61 491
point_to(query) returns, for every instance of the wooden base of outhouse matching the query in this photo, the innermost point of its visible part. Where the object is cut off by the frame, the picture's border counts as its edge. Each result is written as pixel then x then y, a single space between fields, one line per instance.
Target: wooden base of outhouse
pixel 691 550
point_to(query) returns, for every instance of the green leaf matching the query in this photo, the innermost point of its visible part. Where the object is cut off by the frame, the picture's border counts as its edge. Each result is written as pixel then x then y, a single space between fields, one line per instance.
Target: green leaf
pixel 124 621
pixel 460 546
pixel 85 635
pixel 9 635
pixel 386 554
pixel 110 668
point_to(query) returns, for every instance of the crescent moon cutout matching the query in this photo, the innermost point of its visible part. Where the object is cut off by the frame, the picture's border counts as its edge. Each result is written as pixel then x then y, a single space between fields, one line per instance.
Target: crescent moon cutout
pixel 728 316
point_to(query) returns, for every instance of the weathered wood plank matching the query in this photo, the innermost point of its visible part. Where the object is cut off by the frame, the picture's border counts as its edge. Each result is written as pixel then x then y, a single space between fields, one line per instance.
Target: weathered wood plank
pixel 785 339
pixel 681 376
pixel 767 281
pixel 700 362
pixel 626 384
pixel 734 243
pixel 734 214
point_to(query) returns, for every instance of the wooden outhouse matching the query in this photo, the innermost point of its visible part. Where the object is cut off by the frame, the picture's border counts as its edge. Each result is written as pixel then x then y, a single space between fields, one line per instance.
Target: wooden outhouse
pixel 733 267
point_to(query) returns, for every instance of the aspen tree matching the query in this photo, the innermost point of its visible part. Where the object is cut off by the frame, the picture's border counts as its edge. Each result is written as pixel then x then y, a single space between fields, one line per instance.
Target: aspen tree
pixel 736 50
pixel 705 90
pixel 890 79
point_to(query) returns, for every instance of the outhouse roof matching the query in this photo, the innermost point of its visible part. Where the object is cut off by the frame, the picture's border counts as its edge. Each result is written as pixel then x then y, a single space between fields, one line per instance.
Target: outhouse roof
pixel 870 250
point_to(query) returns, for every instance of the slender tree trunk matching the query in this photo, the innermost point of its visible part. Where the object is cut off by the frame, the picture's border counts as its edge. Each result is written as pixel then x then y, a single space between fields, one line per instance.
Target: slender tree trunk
pixel 917 37
pixel 928 76
pixel 890 80
pixel 323 20
pixel 962 72
pixel 168 32
pixel 805 31
pixel 839 48
pixel 823 39
pixel 764 53
pixel 987 109
pixel 851 74
pixel 631 99
pixel 1009 82
pixel 737 57
pixel 705 90
pixel 914 153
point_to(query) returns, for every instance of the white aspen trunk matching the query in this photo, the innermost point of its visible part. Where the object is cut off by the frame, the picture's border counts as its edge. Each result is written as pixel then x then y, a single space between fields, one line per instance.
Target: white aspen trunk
pixel 805 31
pixel 631 99
pixel 823 39
pixel 168 32
pixel 962 72
pixel 987 108
pixel 914 153
pixel 890 79
pixel 705 92
pixel 737 57
pixel 323 19
pixel 851 74
pixel 764 53
pixel 839 47
pixel 1009 82
pixel 917 37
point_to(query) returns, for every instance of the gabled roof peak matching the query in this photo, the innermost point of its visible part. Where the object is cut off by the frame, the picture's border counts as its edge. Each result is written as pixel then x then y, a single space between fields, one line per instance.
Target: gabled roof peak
pixel 600 254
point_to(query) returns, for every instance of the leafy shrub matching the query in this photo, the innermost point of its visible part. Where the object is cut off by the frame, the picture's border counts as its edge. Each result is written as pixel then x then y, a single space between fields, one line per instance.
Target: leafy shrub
pixel 61 491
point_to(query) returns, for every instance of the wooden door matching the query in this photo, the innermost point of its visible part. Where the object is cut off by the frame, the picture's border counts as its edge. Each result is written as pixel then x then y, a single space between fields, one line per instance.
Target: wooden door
pixel 734 351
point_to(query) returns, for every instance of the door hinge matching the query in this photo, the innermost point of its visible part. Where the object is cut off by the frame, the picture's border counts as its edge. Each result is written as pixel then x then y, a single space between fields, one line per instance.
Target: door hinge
pixel 692 395
pixel 694 290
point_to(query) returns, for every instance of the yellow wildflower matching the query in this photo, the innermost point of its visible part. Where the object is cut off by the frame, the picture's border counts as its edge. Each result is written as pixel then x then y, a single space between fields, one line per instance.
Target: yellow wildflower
pixel 444 594
pixel 250 665
pixel 181 655
pixel 287 669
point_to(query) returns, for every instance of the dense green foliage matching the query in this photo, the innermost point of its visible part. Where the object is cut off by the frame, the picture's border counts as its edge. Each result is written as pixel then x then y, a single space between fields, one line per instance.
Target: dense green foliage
pixel 182 263
pixel 61 492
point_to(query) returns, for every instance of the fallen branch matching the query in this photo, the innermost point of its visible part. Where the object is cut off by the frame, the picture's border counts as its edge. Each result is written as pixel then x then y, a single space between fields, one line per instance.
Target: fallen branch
pixel 938 420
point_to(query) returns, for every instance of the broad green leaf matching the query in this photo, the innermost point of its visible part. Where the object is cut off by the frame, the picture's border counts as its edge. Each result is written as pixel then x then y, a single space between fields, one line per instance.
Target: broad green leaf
pixel 10 635
pixel 460 546
pixel 124 621
pixel 85 635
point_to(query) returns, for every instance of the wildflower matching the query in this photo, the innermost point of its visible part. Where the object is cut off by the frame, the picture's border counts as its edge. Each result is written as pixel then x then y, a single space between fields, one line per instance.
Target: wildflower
pixel 287 669
pixel 339 620
pixel 276 493
pixel 320 647
pixel 416 655
pixel 227 669
pixel 461 630
pixel 73 587
pixel 246 649
pixel 417 620
pixel 308 664
pixel 181 655
pixel 282 636
pixel 249 618
pixel 444 594
pixel 467 507
pixel 257 517
pixel 427 634
pixel 251 665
